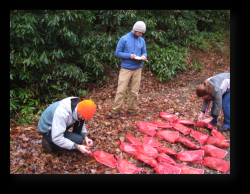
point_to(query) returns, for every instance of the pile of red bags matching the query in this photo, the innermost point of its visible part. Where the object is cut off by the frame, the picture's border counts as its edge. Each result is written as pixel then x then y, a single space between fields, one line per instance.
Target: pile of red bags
pixel 153 153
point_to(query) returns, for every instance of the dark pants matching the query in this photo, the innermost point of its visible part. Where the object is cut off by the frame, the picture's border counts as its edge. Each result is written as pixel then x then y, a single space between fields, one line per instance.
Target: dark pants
pixel 74 136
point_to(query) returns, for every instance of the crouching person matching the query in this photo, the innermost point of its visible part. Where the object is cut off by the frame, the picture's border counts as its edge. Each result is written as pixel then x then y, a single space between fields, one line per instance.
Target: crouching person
pixel 60 116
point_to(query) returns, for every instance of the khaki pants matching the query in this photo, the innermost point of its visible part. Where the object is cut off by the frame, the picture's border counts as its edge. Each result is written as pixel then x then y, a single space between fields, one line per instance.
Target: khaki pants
pixel 124 78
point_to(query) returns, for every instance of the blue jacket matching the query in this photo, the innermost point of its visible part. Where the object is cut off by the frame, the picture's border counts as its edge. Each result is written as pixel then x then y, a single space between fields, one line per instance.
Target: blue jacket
pixel 128 44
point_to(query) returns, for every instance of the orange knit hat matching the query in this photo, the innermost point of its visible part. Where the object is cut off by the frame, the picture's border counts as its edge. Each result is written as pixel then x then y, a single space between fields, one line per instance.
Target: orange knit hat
pixel 86 108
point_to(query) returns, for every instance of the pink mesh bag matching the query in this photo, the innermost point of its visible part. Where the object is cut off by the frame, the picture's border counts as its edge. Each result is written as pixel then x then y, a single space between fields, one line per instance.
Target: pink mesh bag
pixel 200 137
pixel 126 167
pixel 166 150
pixel 170 136
pixel 132 139
pixel 191 156
pixel 190 170
pixel 212 151
pixel 217 142
pixel 105 158
pixel 162 124
pixel 217 164
pixel 188 143
pixel 146 159
pixel 163 168
pixel 182 128
pixel 147 150
pixel 151 141
pixel 169 117
pixel 146 128
pixel 166 159
pixel 127 147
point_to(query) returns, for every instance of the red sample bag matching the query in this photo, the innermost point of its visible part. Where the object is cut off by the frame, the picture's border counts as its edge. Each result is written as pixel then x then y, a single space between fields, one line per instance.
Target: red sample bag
pixel 212 151
pixel 146 159
pixel 191 156
pixel 217 142
pixel 217 164
pixel 218 135
pixel 127 147
pixel 132 139
pixel 201 124
pixel 105 158
pixel 182 128
pixel 189 170
pixel 162 124
pixel 210 126
pixel 188 143
pixel 151 141
pixel 163 168
pixel 146 128
pixel 169 117
pixel 166 159
pixel 185 122
pixel 147 150
pixel 200 137
pixel 166 150
pixel 170 136
pixel 126 167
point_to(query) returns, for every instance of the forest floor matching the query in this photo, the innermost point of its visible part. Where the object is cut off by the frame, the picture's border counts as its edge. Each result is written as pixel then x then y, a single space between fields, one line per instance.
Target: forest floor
pixel 177 96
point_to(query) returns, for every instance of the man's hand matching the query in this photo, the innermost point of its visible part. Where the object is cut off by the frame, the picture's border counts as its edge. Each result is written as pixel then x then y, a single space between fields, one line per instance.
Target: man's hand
pixel 83 149
pixel 133 56
pixel 143 58
pixel 88 141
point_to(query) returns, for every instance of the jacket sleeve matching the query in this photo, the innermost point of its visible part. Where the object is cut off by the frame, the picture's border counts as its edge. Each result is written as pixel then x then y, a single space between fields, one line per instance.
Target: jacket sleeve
pixel 58 128
pixel 144 51
pixel 119 52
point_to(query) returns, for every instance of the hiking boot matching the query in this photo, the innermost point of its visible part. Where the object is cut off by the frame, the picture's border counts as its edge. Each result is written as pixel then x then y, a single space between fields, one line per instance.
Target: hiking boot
pixel 48 148
pixel 224 129
pixel 111 115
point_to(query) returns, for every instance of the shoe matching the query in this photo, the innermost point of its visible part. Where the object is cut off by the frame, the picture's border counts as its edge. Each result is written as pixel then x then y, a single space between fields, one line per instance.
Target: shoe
pixel 131 113
pixel 48 148
pixel 225 129
pixel 111 115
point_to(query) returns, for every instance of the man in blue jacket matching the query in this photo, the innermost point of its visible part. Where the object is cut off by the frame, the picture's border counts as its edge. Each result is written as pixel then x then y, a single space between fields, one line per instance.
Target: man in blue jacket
pixel 130 47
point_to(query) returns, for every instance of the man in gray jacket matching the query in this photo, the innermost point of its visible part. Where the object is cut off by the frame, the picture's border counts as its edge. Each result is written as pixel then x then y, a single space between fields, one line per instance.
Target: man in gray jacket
pixel 60 116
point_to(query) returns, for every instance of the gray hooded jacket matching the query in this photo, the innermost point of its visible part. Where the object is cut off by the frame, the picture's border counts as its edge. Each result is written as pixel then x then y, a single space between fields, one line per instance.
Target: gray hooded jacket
pixel 221 85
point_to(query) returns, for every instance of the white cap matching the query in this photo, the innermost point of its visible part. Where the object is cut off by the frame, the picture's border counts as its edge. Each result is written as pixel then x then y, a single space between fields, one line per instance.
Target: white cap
pixel 139 26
